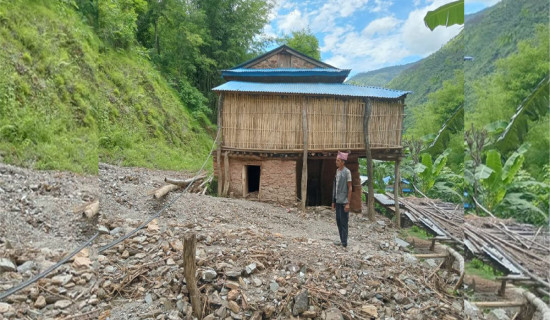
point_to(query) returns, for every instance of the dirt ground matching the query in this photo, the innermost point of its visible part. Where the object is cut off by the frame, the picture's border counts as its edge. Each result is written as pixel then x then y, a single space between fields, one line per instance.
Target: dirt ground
pixel 280 254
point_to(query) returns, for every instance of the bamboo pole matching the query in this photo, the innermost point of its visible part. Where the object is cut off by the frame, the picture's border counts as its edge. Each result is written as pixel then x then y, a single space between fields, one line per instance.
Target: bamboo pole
pixel 304 157
pixel 219 151
pixel 397 184
pixel 189 248
pixel 370 182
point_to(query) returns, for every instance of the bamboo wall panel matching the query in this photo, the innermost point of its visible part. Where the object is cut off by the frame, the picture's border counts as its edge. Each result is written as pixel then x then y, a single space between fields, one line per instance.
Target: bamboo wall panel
pixel 274 122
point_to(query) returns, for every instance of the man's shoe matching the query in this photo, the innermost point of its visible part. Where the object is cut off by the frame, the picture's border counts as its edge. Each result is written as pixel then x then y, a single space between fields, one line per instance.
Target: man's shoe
pixel 337 243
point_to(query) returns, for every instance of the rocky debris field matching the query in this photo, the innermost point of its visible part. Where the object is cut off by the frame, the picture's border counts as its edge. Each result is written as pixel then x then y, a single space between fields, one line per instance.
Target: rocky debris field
pixel 254 260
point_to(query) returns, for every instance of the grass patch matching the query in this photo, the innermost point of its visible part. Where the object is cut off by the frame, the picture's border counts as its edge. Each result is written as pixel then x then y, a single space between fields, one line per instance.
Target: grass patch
pixel 476 267
pixel 416 232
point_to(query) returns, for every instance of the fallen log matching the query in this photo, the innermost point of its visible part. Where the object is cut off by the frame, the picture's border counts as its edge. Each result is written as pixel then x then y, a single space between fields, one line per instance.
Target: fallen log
pixel 184 183
pixel 162 191
pixel 460 260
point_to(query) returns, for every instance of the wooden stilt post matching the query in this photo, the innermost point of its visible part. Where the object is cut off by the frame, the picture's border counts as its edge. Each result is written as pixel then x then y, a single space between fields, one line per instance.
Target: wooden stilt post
pixel 304 157
pixel 219 151
pixel 189 247
pixel 370 182
pixel 396 185
pixel 226 173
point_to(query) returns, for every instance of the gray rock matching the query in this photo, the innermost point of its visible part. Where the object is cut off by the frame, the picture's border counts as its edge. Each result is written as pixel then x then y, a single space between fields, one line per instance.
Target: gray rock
pixel 103 230
pixel 7 265
pixel 249 269
pixel 232 273
pixel 431 262
pixel 333 314
pixel 273 286
pixel 471 310
pixel 301 302
pixel 408 306
pixel 62 279
pixel 62 304
pixel 257 282
pixel 401 298
pixel 27 266
pixel 401 243
pixel 115 231
pixel 409 258
pixel 148 298
pixel 497 314
pixel 381 222
pixel 209 275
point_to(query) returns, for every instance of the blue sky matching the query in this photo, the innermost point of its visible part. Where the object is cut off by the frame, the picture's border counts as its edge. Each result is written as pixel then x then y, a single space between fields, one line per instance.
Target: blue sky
pixel 365 35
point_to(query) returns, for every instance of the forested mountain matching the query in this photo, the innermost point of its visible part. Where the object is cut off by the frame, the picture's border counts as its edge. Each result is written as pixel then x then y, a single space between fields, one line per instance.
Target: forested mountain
pixel 378 78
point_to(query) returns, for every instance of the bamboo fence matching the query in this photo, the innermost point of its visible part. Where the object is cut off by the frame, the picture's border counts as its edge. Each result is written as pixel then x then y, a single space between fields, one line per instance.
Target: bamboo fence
pixel 274 122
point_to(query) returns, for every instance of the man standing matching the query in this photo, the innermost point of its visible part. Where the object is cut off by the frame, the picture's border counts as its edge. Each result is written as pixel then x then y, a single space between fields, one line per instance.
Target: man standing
pixel 341 197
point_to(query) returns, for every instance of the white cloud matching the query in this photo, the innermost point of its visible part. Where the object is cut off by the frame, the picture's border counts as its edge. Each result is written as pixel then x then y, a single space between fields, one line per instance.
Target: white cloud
pixel 381 6
pixel 323 18
pixel 293 21
pixel 381 26
pixel 386 41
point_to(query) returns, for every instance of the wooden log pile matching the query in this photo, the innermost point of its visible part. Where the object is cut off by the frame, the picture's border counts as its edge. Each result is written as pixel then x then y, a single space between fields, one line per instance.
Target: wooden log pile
pixel 199 184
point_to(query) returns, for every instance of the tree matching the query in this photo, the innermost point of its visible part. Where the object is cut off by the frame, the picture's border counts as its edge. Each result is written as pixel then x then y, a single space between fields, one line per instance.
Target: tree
pixel 303 41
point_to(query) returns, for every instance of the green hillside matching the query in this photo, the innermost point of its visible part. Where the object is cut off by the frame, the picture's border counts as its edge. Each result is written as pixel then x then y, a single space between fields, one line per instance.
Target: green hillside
pixel 494 33
pixel 378 78
pixel 68 100
pixel 428 75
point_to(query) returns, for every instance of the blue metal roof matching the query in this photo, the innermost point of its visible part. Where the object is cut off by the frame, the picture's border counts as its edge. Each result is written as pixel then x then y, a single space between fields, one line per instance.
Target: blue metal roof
pixel 331 89
pixel 286 72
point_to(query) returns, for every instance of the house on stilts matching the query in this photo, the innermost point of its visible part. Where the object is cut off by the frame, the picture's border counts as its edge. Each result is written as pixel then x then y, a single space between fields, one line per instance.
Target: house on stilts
pixel 282 118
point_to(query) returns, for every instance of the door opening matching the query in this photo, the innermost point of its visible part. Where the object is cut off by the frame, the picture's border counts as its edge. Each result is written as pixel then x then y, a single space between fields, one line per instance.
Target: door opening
pixel 253 175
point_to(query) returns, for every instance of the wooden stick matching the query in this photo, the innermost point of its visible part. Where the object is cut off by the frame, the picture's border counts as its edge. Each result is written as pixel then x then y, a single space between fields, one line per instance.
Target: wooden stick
pixel 184 183
pixel 189 248
pixel 430 255
pixel 498 304
pixel 162 191
pixel 397 184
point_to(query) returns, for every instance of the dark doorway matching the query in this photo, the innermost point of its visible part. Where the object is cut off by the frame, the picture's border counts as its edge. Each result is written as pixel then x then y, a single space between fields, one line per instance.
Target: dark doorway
pixel 253 175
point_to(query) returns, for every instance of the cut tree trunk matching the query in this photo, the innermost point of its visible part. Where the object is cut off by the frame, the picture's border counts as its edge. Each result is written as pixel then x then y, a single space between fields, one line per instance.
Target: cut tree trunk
pixel 304 157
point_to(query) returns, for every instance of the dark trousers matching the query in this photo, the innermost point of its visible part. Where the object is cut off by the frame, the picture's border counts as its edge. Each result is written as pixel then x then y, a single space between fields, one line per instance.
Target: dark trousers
pixel 342 218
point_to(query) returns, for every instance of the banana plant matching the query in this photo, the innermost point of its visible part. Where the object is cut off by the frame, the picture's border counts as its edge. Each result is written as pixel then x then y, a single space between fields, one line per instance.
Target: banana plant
pixel 428 170
pixel 446 15
pixel 495 179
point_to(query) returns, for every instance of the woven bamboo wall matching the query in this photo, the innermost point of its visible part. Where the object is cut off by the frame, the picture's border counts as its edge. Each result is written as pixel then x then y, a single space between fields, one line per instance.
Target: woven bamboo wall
pixel 274 122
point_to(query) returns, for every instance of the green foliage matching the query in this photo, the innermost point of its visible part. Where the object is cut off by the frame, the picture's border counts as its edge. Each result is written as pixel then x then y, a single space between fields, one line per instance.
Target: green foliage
pixel 428 170
pixel 117 21
pixel 63 104
pixel 479 268
pixel 446 15
pixel 303 41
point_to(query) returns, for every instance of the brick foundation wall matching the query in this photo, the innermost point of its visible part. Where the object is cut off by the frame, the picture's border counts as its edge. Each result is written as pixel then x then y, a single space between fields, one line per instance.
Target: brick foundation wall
pixel 277 178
